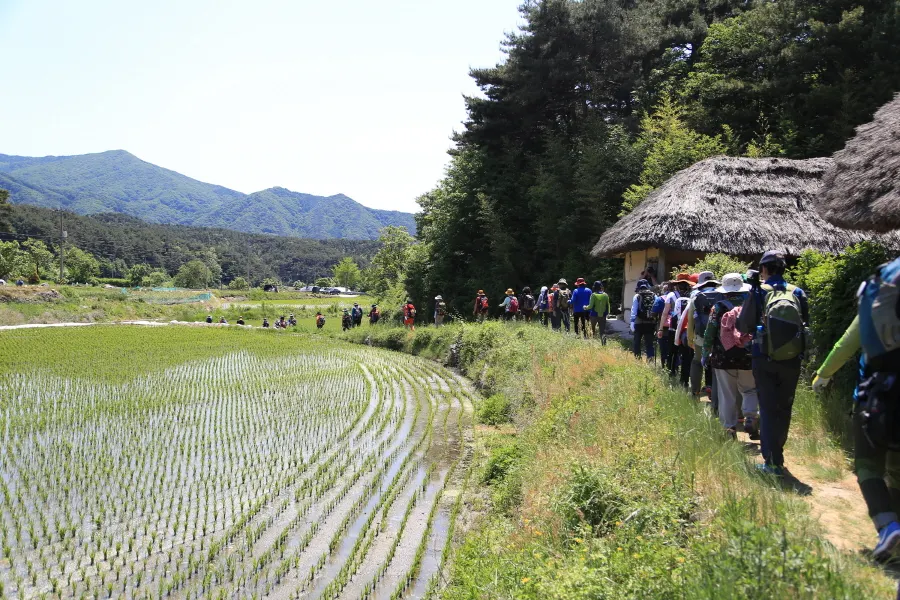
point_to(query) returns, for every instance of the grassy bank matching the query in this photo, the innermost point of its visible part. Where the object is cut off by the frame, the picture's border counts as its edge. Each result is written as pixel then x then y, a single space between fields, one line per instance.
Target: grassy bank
pixel 614 484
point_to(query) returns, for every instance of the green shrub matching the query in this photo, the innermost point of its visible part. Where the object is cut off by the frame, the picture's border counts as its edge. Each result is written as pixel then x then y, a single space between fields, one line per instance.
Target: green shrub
pixel 720 264
pixel 495 410
pixel 502 460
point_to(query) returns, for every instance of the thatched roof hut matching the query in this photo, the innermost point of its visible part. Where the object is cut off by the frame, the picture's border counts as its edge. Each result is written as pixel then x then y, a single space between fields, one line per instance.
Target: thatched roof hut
pixel 739 206
pixel 862 188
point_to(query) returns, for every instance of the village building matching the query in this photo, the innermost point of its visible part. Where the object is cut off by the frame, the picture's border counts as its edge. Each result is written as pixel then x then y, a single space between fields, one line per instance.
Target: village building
pixel 737 206
pixel 862 188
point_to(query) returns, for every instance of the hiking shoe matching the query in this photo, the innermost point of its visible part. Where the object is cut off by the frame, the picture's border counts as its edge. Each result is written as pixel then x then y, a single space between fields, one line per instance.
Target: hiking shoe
pixel 731 432
pixel 707 390
pixel 750 428
pixel 888 538
pixel 773 470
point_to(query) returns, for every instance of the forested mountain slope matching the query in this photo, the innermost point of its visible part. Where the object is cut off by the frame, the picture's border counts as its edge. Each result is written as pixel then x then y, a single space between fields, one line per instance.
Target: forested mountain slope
pixel 119 182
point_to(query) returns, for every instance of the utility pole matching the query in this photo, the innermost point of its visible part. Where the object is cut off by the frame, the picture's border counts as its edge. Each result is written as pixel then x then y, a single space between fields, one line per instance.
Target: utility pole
pixel 62 241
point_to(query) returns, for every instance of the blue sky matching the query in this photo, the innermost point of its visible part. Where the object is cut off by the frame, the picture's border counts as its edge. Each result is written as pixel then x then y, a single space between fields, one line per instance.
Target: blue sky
pixel 351 96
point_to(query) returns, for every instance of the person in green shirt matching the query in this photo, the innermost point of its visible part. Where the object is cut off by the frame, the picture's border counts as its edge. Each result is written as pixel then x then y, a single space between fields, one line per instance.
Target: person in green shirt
pixel 598 309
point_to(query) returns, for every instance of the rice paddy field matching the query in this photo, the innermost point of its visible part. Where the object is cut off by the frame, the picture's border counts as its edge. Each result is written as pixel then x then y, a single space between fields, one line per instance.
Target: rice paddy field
pixel 195 462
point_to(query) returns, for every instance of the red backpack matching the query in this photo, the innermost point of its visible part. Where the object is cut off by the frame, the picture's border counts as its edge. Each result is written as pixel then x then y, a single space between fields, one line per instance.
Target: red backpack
pixel 513 304
pixel 483 304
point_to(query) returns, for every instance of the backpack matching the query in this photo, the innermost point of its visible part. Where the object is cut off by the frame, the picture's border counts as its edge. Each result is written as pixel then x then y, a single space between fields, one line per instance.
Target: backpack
pixel 442 308
pixel 551 302
pixel 879 318
pixel 680 304
pixel 528 302
pixel 782 320
pixel 646 300
pixel 320 320
pixel 483 304
pixel 703 303
pixel 513 306
pixel 725 353
pixel 563 300
pixel 410 311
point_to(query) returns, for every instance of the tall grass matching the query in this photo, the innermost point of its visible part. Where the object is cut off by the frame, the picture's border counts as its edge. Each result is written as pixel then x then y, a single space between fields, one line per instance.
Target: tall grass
pixel 619 485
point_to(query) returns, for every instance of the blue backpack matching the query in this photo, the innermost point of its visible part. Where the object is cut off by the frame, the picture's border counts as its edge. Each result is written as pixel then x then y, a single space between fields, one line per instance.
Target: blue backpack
pixel 879 317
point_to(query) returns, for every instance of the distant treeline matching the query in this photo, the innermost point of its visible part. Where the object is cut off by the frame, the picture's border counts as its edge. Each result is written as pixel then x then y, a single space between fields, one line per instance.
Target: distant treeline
pixel 120 241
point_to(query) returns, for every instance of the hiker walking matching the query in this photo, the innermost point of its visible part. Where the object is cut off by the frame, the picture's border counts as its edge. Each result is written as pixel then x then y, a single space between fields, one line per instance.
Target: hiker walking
pixel 668 321
pixel 409 315
pixel 357 314
pixel 320 321
pixel 876 331
pixel 543 305
pixel 598 309
pixel 481 306
pixel 581 297
pixel 528 304
pixel 555 317
pixel 776 314
pixel 346 321
pixel 510 306
pixel 703 298
pixel 643 323
pixel 374 315
pixel 727 351
pixel 561 300
pixel 440 310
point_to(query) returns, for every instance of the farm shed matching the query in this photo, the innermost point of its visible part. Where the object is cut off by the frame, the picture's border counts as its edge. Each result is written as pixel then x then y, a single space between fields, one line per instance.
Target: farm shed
pixel 738 206
pixel 862 187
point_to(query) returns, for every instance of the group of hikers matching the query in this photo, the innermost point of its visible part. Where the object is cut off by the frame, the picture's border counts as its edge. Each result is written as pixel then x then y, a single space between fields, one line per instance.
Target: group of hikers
pixel 352 317
pixel 555 306
pixel 747 336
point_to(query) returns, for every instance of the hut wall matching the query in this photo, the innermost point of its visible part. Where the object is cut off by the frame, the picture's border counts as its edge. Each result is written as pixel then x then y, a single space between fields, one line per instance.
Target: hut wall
pixel 635 263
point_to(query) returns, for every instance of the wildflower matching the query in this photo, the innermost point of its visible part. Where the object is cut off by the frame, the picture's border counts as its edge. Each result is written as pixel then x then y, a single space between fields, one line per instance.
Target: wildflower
pixel 526 580
pixel 680 559
pixel 579 541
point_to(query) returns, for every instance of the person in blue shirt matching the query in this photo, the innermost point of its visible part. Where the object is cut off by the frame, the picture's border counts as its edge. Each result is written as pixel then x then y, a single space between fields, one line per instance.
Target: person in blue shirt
pixel 776 380
pixel 581 297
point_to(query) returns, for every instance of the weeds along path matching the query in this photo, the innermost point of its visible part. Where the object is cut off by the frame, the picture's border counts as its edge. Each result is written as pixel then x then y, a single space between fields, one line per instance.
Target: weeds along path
pixel 194 462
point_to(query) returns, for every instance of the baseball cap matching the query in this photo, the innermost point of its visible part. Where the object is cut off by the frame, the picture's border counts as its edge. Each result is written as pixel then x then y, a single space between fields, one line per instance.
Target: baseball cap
pixel 772 256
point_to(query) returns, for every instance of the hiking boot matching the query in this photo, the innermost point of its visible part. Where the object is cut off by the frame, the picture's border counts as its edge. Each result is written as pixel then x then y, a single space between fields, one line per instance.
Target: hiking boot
pixel 888 538
pixel 750 428
pixel 731 432
pixel 773 470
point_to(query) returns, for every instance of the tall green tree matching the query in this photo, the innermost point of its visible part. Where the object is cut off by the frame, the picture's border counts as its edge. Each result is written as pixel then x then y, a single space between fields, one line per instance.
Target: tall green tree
pixel 194 274
pixel 38 258
pixel 81 266
pixel 11 260
pixel 347 273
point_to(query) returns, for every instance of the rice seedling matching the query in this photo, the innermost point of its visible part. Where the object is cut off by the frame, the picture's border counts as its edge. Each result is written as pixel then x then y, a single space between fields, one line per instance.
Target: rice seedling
pixel 215 463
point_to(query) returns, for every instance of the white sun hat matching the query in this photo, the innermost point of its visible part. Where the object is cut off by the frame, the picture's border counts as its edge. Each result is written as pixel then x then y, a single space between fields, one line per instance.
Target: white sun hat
pixel 732 283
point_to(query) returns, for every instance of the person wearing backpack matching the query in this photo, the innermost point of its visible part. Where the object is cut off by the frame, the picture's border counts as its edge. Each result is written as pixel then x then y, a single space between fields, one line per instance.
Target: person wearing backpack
pixel 409 315
pixel 528 304
pixel 876 331
pixel 668 321
pixel 374 314
pixel 776 314
pixel 598 309
pixel 727 351
pixel 481 306
pixel 320 321
pixel 643 321
pixel 357 313
pixel 543 305
pixel 561 300
pixel 510 306
pixel 704 297
pixel 346 320
pixel 581 297
pixel 440 310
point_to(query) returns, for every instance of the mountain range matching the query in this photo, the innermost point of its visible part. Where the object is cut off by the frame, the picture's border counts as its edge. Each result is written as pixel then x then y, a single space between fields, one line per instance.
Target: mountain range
pixel 119 182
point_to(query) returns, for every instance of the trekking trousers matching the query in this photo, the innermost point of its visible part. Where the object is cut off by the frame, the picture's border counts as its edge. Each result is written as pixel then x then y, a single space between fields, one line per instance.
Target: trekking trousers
pixel 776 385
pixel 731 386
pixel 556 321
pixel 674 354
pixel 581 317
pixel 438 320
pixel 664 347
pixel 878 473
pixel 647 333
pixel 687 360
pixel 545 318
pixel 597 320
pixel 480 317
pixel 563 315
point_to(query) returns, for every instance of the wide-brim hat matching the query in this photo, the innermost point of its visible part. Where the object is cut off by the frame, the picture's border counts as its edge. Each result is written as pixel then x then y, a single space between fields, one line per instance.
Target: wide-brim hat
pixel 733 283
pixel 563 281
pixel 681 278
pixel 509 292
pixel 480 293
pixel 438 297
pixel 580 281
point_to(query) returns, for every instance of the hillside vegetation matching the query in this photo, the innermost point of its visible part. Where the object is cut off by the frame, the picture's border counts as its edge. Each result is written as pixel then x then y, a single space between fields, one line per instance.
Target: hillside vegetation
pixel 119 182
pixel 603 481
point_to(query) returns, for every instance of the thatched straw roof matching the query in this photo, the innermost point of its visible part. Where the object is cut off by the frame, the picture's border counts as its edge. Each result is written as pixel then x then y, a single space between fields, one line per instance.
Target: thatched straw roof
pixel 862 189
pixel 739 206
